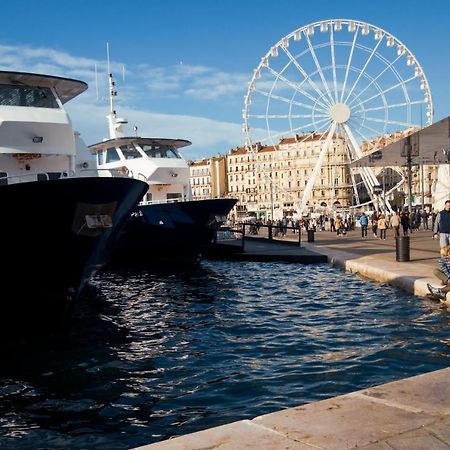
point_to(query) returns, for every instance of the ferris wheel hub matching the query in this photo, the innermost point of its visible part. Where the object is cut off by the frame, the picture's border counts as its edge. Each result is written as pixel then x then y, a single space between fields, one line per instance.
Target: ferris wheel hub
pixel 340 113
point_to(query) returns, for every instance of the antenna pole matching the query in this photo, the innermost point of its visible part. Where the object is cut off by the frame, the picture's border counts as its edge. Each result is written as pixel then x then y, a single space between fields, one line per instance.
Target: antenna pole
pixel 111 82
pixel 96 82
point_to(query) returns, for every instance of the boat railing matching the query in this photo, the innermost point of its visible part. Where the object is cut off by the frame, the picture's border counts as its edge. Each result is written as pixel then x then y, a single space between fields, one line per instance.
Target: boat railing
pixel 160 202
pixel 180 199
pixel 273 232
pixel 113 172
pixel 25 178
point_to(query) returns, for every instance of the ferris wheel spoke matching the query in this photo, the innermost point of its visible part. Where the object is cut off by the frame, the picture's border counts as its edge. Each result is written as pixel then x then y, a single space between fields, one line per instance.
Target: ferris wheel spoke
pixel 312 179
pixel 376 132
pixel 393 122
pixel 333 63
pixel 286 100
pixel 363 69
pixel 402 83
pixel 319 68
pixel 397 105
pixel 374 80
pixel 295 86
pixel 286 116
pixel 305 75
pixel 312 133
pixel 293 130
pixel 362 135
pixel 349 64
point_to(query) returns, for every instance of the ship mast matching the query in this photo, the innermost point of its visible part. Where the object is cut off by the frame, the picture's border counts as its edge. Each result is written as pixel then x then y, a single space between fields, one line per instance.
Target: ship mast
pixel 116 124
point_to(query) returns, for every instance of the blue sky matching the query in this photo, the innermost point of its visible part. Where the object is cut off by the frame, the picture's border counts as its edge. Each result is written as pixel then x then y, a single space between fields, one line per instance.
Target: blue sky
pixel 188 63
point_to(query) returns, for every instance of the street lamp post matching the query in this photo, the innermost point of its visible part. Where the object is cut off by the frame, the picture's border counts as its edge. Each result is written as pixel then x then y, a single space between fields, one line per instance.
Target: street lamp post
pixel 271 198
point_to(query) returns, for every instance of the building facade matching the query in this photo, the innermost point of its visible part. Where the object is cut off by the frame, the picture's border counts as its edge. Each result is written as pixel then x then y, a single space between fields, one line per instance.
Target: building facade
pixel 208 178
pixel 270 180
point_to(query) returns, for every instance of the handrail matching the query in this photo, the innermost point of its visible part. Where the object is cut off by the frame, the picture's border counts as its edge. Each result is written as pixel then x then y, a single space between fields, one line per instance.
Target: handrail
pixel 270 230
pixel 22 178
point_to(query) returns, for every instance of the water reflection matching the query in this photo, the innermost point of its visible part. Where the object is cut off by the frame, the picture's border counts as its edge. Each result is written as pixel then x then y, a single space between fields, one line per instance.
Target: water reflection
pixel 160 353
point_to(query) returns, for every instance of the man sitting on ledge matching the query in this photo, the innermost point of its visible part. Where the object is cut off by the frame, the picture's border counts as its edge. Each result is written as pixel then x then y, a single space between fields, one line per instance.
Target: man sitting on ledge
pixel 443 274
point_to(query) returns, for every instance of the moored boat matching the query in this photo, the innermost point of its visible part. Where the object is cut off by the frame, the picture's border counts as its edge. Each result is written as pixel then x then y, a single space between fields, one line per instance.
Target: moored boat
pixel 167 224
pixel 59 221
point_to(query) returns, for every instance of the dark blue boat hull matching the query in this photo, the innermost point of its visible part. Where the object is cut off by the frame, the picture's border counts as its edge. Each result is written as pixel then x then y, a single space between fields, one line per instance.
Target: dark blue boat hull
pixel 171 231
pixel 49 250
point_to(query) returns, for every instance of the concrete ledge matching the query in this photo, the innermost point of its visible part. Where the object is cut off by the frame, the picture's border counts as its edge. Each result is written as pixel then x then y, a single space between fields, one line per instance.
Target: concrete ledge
pixel 412 414
pixel 410 276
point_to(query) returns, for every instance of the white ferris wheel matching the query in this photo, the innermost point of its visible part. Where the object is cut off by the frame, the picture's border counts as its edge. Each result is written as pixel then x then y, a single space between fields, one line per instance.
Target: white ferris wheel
pixel 336 76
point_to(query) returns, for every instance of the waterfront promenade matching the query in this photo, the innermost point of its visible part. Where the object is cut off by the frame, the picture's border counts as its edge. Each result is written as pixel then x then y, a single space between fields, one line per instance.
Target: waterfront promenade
pixel 409 414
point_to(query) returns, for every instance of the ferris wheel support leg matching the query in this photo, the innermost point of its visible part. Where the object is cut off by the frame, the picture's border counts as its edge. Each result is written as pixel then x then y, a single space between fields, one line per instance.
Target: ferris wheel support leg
pixel 367 174
pixel 310 184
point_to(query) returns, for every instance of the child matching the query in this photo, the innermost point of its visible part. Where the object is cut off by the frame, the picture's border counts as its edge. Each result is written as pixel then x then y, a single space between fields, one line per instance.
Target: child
pixel 443 274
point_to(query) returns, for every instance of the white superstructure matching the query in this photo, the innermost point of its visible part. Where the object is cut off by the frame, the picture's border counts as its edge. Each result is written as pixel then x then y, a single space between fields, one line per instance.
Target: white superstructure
pixel 153 160
pixel 37 141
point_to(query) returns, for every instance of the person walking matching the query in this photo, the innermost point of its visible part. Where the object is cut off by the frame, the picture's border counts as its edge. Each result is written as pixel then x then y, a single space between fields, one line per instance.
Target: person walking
pixel 374 220
pixel 382 226
pixel 441 226
pixel 364 222
pixel 395 224
pixel 404 219
pixel 425 216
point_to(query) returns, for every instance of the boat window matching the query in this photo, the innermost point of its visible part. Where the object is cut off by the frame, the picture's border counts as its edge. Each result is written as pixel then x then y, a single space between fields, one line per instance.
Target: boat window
pixel 38 97
pixel 160 151
pixel 129 152
pixel 100 157
pixel 3 178
pixel 174 196
pixel 112 155
pixel 54 175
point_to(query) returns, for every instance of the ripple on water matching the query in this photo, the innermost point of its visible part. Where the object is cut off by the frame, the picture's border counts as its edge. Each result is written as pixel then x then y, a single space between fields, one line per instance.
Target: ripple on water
pixel 160 354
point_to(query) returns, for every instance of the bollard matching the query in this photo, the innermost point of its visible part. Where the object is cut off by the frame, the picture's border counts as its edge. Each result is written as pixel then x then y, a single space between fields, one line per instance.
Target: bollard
pixel 310 235
pixel 402 248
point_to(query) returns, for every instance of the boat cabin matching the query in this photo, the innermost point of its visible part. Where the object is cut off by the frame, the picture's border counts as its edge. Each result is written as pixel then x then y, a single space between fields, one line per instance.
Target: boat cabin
pixel 153 160
pixel 37 141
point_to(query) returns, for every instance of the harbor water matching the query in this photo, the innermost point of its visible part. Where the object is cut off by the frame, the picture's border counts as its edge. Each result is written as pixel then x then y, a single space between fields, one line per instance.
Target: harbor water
pixel 161 353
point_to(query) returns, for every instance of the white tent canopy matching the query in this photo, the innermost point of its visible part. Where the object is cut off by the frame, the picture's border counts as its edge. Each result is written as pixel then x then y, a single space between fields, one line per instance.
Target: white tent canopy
pixel 430 145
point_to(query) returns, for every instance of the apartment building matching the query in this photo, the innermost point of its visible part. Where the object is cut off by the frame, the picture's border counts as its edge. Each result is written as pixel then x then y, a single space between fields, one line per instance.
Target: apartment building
pixel 208 178
pixel 270 180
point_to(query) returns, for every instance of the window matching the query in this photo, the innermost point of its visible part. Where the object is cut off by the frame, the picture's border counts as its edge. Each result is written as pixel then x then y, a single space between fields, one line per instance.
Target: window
pixel 112 155
pixel 3 178
pixel 37 97
pixel 159 151
pixel 99 157
pixel 173 196
pixel 129 152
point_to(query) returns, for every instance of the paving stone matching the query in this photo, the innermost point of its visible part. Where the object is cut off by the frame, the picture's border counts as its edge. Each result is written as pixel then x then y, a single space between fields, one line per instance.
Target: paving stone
pixel 344 422
pixel 419 440
pixel 243 435
pixel 428 392
pixel 377 446
pixel 441 429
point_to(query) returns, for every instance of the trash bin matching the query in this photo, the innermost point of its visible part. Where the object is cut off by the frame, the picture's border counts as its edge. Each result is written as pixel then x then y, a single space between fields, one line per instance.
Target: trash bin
pixel 402 248
pixel 310 235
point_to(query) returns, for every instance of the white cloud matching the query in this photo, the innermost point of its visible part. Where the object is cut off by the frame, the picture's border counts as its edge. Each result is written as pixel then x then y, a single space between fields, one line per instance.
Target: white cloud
pixel 199 82
pixel 196 83
pixel 207 136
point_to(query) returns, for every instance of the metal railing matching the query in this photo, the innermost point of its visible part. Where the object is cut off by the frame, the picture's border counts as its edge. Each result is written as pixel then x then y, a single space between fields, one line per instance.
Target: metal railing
pixel 251 229
pixel 273 231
